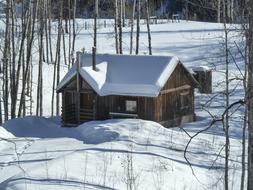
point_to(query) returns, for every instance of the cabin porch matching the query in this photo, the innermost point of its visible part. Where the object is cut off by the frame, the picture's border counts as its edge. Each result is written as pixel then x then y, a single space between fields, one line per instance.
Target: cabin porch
pixel 72 114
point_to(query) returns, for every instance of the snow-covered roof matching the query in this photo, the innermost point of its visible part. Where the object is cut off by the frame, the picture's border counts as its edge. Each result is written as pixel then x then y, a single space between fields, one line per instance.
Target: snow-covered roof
pixel 201 68
pixel 126 75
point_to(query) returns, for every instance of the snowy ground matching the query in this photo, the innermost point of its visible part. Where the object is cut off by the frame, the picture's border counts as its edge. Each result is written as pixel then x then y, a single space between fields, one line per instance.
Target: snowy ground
pixel 114 153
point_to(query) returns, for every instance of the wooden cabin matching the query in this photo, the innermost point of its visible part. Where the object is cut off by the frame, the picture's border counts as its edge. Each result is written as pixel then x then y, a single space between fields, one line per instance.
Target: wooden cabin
pixel 157 88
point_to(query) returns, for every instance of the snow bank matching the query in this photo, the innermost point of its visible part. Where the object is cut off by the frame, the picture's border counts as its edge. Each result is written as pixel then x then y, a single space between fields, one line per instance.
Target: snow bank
pixel 5 134
pixel 39 127
pixel 96 132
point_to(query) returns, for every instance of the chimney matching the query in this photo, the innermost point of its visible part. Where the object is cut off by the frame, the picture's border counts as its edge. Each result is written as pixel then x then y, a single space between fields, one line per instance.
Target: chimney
pixel 94 58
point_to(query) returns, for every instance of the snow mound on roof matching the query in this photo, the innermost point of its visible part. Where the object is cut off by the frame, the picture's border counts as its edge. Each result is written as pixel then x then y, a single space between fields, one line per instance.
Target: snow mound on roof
pixel 5 134
pixel 126 75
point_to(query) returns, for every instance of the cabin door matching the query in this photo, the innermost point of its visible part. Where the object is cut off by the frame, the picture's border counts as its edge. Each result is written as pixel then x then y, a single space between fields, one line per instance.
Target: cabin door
pixel 69 107
pixel 87 105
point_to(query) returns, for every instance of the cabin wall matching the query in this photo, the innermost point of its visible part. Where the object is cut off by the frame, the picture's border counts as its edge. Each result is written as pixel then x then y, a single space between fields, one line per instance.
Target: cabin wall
pixel 117 104
pixel 175 104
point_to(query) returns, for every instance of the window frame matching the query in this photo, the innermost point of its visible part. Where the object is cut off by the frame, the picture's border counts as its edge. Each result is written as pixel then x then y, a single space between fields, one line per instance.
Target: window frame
pixel 132 104
pixel 184 100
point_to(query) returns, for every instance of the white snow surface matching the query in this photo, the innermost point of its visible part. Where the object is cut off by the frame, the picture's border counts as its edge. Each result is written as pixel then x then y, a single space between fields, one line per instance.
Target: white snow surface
pixel 201 68
pixel 125 74
pixel 5 134
pixel 95 155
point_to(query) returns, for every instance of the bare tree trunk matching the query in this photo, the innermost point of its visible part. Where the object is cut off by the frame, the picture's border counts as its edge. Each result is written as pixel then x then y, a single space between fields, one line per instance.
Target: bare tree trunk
pixel 49 30
pixel 245 120
pixel 74 31
pixel 186 10
pixel 25 26
pixel 250 95
pixel 148 27
pixel 226 124
pixel 13 64
pixel 132 27
pixel 116 27
pixel 124 13
pixel 40 77
pixel 46 30
pixel 70 34
pixel 66 26
pixel 60 30
pixel 23 73
pixel 138 27
pixel 54 76
pixel 29 52
pixel 31 88
pixel 120 28
pixel 224 12
pixel 6 53
pixel 57 64
pixel 1 114
pixel 232 11
pixel 218 11
pixel 64 48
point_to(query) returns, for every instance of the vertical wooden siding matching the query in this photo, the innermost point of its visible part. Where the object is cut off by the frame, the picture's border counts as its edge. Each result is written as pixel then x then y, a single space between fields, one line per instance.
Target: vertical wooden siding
pixel 168 104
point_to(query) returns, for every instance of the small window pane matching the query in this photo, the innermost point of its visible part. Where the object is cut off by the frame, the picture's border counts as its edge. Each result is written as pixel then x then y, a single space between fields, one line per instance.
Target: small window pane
pixel 131 106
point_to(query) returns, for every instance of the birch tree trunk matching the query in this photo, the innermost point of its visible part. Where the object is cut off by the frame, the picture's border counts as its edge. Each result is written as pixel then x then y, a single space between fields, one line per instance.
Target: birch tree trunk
pixel 30 39
pixel 138 26
pixel 226 124
pixel 245 122
pixel 116 27
pixel 148 27
pixel 250 96
pixel 25 25
pixel 124 13
pixel 39 108
pixel 120 27
pixel 132 27
pixel 13 60
pixel 74 31
pixel 46 30
pixel 49 31
pixel 6 53
pixel 57 64
pixel 60 33
pixel 70 34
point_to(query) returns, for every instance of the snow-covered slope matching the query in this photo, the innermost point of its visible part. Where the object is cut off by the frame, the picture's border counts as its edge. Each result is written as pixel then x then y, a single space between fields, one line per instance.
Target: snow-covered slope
pixel 102 155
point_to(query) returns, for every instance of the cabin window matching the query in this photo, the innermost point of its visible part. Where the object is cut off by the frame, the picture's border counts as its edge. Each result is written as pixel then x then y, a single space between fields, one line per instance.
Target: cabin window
pixel 185 100
pixel 131 106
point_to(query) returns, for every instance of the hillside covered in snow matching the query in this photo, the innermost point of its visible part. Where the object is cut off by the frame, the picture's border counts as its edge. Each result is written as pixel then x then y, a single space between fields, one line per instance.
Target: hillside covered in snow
pixel 133 154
